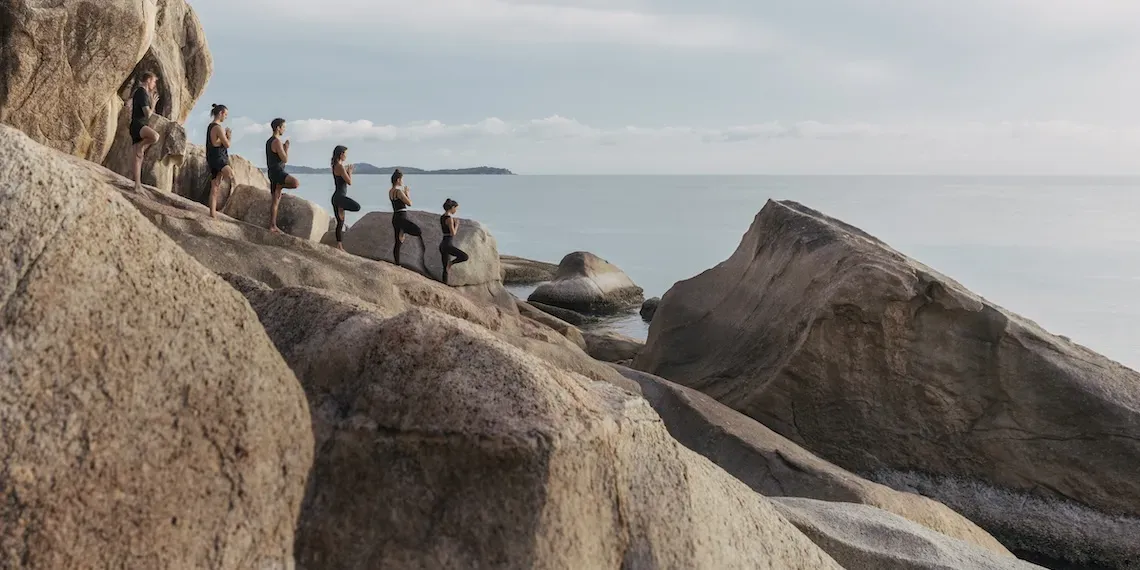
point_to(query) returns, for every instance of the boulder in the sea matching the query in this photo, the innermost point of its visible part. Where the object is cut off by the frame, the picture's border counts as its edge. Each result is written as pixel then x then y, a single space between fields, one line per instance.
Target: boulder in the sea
pixel 573 317
pixel 193 177
pixel 521 271
pixel 881 365
pixel 62 64
pixel 148 421
pixel 775 467
pixel 161 159
pixel 589 284
pixel 861 536
pixel 462 451
pixel 296 216
pixel 609 346
pixel 649 308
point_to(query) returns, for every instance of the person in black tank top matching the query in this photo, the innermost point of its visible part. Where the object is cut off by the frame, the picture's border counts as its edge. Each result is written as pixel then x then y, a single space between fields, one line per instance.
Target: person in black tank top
pixel 218 155
pixel 401 225
pixel 143 102
pixel 342 179
pixel 450 226
pixel 276 155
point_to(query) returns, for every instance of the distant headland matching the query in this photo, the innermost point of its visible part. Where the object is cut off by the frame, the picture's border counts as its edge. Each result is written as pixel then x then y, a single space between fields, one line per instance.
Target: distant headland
pixel 365 168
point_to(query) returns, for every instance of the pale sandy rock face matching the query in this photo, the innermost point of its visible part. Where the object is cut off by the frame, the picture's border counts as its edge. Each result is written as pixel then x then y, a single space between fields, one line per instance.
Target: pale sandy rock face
pixel 148 420
pixel 179 56
pixel 373 237
pixel 589 284
pixel 609 346
pixel 859 536
pixel 878 363
pixel 463 451
pixel 296 216
pixel 160 160
pixel 571 332
pixel 62 64
pixel 776 467
pixel 192 178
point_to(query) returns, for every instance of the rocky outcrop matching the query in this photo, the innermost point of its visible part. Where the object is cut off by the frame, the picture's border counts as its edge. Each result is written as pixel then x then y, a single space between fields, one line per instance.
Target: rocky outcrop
pixel 649 308
pixel 179 56
pixel 774 466
pixel 161 159
pixel 571 332
pixel 296 216
pixel 589 284
pixel 572 317
pixel 609 346
pixel 62 64
pixel 462 451
pixel 148 420
pixel 859 536
pixel 520 271
pixel 193 176
pixel 880 364
pixel 372 237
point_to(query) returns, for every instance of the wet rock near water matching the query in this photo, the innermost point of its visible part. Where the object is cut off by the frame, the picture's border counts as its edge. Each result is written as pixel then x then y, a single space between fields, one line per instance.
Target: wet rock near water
pixel 589 284
pixel 649 309
pixel 609 346
pixel 520 271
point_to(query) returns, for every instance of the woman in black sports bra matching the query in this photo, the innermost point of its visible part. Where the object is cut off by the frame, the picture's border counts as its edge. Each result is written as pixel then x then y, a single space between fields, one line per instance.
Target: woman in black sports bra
pixel 450 227
pixel 218 154
pixel 398 194
pixel 342 178
pixel 144 100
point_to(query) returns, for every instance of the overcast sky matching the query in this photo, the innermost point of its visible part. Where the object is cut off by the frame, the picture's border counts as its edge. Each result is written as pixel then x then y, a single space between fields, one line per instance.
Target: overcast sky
pixel 686 86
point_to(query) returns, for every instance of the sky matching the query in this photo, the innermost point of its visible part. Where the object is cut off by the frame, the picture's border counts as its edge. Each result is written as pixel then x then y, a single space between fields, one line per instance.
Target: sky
pixel 981 87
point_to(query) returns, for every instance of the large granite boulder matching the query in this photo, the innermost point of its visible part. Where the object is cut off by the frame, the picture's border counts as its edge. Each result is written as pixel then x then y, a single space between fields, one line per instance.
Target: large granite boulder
pixel 521 271
pixel 859 536
pixel 148 421
pixel 192 179
pixel 160 160
pixel 880 364
pixel 296 216
pixel 774 466
pixel 179 56
pixel 62 64
pixel 571 332
pixel 442 447
pixel 372 237
pixel 609 346
pixel 589 284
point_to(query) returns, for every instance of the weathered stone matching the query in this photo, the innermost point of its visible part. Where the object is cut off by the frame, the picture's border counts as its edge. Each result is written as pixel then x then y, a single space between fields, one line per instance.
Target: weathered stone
pixel 296 216
pixel 878 363
pixel 575 318
pixel 520 271
pixel 588 284
pixel 148 422
pixel 160 160
pixel 775 467
pixel 193 177
pixel 609 346
pixel 61 65
pixel 649 308
pixel 179 56
pixel 571 332
pixel 860 536
pixel 462 451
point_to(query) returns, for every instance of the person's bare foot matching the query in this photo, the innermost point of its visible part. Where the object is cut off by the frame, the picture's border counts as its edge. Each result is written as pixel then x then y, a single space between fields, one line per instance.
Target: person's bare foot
pixel 214 215
pixel 274 230
pixel 340 246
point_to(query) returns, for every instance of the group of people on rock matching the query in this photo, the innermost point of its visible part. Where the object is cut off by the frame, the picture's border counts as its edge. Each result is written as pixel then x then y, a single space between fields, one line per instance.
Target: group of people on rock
pixel 144 100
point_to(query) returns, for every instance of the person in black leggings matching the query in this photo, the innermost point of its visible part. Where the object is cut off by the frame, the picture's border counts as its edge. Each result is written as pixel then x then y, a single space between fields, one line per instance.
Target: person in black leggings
pixel 218 141
pixel 276 156
pixel 450 227
pixel 342 177
pixel 143 103
pixel 401 225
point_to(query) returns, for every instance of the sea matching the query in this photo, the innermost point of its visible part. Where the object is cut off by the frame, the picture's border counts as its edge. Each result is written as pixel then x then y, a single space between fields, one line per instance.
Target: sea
pixel 1062 251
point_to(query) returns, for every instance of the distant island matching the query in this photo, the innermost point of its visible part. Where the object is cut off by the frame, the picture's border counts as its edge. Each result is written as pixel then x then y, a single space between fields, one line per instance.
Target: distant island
pixel 365 168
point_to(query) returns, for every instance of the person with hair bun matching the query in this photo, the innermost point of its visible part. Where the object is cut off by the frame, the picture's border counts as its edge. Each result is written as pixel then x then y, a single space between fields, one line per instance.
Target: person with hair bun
pixel 400 196
pixel 143 102
pixel 342 179
pixel 276 156
pixel 450 226
pixel 218 154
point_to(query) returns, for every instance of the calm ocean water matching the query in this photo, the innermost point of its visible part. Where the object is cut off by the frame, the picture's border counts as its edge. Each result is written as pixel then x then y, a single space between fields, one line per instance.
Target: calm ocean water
pixel 1064 252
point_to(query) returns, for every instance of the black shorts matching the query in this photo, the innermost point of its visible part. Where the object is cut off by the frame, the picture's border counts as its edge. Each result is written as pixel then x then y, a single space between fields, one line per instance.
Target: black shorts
pixel 136 132
pixel 277 178
pixel 216 166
